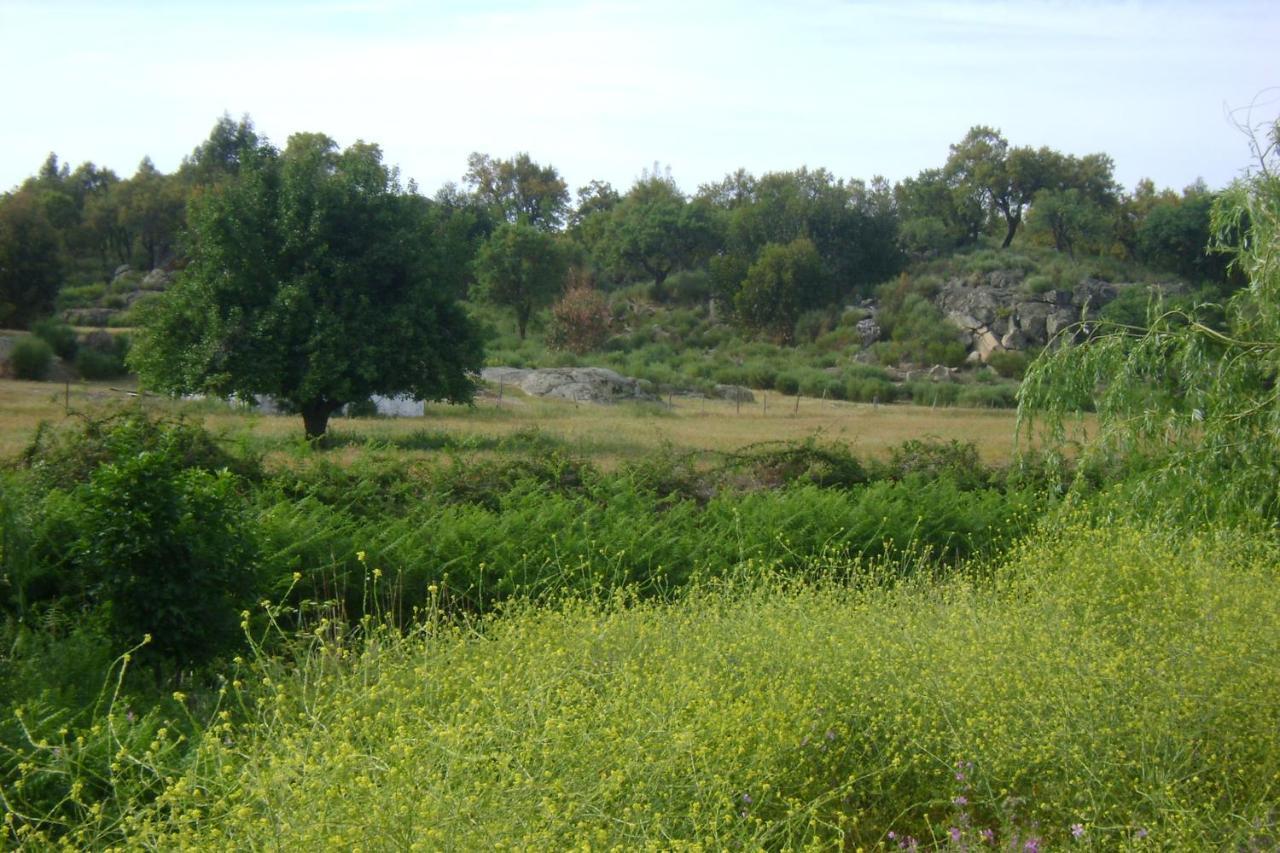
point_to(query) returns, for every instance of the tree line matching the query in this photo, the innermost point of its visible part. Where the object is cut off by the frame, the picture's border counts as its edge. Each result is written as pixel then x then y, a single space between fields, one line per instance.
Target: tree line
pixel 313 273
pixel 812 238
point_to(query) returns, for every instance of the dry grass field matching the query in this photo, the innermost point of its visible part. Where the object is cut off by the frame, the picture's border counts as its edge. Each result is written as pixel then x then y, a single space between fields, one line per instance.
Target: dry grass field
pixel 606 434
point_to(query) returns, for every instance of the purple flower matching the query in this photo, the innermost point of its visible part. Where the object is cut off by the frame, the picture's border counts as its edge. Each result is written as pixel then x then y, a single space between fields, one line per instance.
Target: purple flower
pixel 746 798
pixel 831 735
pixel 1032 845
pixel 954 832
pixel 1142 832
pixel 961 800
pixel 892 835
pixel 1077 830
pixel 988 835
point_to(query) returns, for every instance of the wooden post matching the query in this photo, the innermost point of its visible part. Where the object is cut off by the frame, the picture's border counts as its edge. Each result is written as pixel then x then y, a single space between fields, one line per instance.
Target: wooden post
pixel 737 402
pixel 67 398
pixel 499 392
pixel 797 411
pixel 765 398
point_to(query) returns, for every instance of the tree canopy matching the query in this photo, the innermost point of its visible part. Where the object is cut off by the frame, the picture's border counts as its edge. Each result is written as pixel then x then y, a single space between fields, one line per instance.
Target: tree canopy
pixel 313 278
pixel 654 231
pixel 519 189
pixel 520 267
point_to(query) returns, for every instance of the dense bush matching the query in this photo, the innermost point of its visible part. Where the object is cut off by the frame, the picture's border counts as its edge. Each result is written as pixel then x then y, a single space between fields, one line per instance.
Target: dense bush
pixel 58 335
pixel 31 358
pixel 1011 364
pixel 127 521
pixel 579 321
pixel 165 552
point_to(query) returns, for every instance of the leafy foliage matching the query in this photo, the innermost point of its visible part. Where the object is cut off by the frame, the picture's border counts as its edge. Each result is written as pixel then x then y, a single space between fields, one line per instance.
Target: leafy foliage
pixel 31 358
pixel 520 267
pixel 779 286
pixel 1199 402
pixel 312 280
pixel 31 264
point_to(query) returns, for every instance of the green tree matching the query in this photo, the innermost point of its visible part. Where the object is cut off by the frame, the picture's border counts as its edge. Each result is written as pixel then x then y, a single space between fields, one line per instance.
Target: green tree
pixel 152 207
pixel 1174 237
pixel 519 189
pixel 936 214
pixel 521 267
pixel 1069 218
pixel 312 278
pixel 852 225
pixel 779 286
pixel 219 156
pixel 654 231
pixel 31 264
pixel 1198 403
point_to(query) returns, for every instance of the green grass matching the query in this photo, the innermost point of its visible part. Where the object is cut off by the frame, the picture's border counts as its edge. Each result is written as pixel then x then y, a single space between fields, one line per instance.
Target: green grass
pixel 1120 681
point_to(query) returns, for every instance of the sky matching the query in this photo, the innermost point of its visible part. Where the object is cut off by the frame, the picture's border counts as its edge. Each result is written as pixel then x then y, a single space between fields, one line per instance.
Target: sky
pixel 604 90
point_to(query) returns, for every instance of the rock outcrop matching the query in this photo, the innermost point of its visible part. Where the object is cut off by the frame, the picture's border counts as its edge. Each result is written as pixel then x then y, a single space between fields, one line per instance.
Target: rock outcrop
pixel 1000 314
pixel 581 384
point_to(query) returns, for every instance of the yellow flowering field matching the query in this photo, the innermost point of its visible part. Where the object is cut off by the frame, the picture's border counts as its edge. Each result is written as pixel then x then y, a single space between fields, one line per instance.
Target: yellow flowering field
pixel 1102 689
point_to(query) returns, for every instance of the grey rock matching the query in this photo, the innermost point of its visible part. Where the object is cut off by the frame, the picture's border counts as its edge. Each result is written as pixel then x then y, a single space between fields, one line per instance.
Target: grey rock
pixel 735 393
pixel 157 279
pixel 581 384
pixel 868 330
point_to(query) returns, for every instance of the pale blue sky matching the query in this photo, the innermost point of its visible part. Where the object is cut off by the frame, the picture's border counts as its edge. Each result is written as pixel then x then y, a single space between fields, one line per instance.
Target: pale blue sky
pixel 603 90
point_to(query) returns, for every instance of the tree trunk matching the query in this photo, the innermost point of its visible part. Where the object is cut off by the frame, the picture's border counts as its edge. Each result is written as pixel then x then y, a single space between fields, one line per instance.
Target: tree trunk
pixel 522 319
pixel 1013 229
pixel 660 285
pixel 315 417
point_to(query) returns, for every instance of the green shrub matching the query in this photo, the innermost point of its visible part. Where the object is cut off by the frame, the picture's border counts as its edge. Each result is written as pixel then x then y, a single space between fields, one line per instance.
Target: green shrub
pixel 31 358
pixel 689 287
pixel 819 383
pixel 1011 364
pixel 67 456
pixel 167 552
pixel 1039 283
pixel 1001 396
pixel 869 390
pixel 93 364
pixel 58 335
pixel 933 459
pixel 925 392
pixel 761 374
pixel 811 324
pixel 788 382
